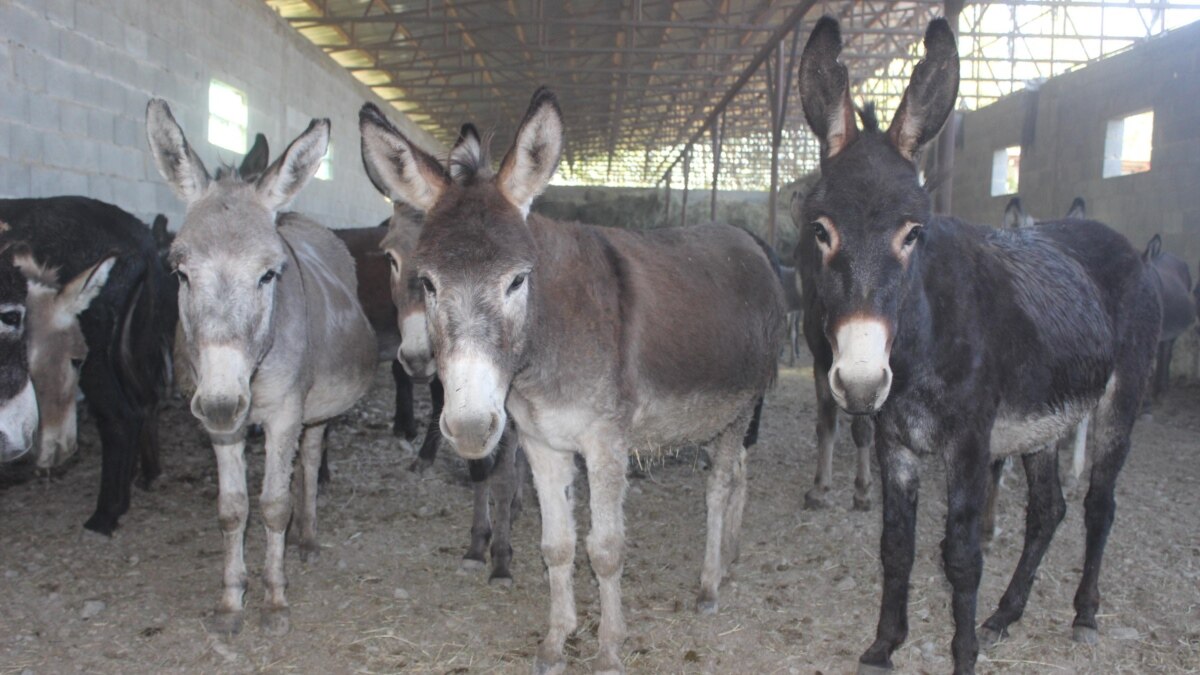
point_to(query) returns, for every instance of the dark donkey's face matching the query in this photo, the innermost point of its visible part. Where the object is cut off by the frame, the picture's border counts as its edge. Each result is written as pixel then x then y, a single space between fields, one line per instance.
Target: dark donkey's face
pixel 18 405
pixel 866 213
pixel 475 259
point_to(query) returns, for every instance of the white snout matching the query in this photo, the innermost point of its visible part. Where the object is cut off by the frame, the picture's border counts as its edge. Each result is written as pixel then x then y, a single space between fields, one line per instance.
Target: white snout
pixel 473 417
pixel 58 442
pixel 18 423
pixel 222 398
pixel 416 351
pixel 861 376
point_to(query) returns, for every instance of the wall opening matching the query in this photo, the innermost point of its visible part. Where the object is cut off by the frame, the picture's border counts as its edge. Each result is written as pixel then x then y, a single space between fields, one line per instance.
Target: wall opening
pixel 228 117
pixel 1128 144
pixel 1006 171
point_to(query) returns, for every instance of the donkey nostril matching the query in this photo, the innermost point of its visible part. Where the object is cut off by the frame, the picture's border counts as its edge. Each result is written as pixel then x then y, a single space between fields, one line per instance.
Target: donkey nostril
pixel 837 379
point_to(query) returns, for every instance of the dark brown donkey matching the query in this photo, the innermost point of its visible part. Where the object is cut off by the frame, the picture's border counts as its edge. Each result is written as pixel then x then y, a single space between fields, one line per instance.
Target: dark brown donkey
pixel 598 341
pixel 969 342
pixel 1174 281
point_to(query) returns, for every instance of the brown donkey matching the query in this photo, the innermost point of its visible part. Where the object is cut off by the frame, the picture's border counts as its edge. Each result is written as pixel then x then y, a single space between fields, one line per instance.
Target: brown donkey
pixel 597 341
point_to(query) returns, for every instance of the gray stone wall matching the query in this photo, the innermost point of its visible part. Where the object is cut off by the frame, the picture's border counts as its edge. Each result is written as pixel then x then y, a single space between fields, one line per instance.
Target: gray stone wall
pixel 1062 154
pixel 75 76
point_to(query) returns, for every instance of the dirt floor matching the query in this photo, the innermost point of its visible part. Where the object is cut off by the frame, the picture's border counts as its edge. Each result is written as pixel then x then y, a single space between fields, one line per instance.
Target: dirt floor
pixel 386 595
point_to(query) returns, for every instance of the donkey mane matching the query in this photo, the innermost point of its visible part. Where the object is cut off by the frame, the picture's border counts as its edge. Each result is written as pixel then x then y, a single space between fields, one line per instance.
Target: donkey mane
pixel 870 120
pixel 228 172
pixel 467 167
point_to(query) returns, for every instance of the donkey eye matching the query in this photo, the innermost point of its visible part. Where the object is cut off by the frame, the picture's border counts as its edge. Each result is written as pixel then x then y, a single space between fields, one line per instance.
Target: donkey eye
pixel 393 262
pixel 181 276
pixel 820 232
pixel 268 277
pixel 428 286
pixel 76 363
pixel 11 319
pixel 517 282
pixel 912 235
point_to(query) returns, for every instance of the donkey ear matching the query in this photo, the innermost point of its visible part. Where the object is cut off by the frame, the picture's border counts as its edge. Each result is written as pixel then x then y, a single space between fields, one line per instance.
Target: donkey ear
pixel 467 156
pixel 1078 209
pixel 159 231
pixel 79 292
pixel 1014 214
pixel 33 271
pixel 400 170
pixel 282 181
pixel 825 89
pixel 531 161
pixel 1153 248
pixel 255 162
pixel 931 92
pixel 176 160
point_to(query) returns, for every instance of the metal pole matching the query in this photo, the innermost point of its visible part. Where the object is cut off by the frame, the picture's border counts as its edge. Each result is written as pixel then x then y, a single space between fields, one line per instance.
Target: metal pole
pixel 687 172
pixel 667 215
pixel 718 137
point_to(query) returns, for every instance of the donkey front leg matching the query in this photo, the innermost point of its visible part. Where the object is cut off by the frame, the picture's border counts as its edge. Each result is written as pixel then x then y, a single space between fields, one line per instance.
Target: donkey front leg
pixel 304 491
pixel 553 473
pixel 233 507
pixel 967 474
pixel 282 439
pixel 480 471
pixel 898 474
pixel 606 466
pixel 827 424
pixel 862 430
pixel 505 483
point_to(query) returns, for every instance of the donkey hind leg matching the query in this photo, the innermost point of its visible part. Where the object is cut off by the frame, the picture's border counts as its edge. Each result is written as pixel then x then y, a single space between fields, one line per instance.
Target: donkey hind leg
pixel 1114 423
pixel 433 432
pixel 553 474
pixel 725 496
pixel 282 440
pixel 606 465
pixel 863 430
pixel 505 482
pixel 404 422
pixel 1078 445
pixel 480 471
pixel 898 476
pixel 1045 510
pixel 149 449
pixel 827 424
pixel 233 507
pixel 304 492
pixel 987 527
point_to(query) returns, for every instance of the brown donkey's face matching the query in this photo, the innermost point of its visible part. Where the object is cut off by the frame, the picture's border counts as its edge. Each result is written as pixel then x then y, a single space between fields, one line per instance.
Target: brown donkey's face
pixel 864 217
pixel 57 350
pixel 416 351
pixel 475 259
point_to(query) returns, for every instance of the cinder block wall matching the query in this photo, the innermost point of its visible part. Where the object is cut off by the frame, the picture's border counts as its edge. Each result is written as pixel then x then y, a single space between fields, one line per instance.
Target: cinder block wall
pixel 1062 152
pixel 75 76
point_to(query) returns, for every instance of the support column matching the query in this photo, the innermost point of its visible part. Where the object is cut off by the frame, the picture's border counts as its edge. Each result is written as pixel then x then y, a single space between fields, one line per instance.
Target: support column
pixel 687 172
pixel 943 196
pixel 718 136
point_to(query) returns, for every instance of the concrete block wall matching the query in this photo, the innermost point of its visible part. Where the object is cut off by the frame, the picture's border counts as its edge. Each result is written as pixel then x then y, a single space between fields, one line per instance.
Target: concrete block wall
pixel 75 76
pixel 1066 156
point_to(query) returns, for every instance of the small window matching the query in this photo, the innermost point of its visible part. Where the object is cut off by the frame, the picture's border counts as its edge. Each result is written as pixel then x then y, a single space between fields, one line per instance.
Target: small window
pixel 1006 171
pixel 325 171
pixel 228 117
pixel 1128 144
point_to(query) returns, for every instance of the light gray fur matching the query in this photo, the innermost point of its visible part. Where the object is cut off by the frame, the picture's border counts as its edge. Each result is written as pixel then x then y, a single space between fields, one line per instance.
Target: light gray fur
pixel 296 347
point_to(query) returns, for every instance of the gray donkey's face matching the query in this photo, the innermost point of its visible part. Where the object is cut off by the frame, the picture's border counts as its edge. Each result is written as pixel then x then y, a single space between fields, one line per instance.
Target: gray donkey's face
pixel 229 260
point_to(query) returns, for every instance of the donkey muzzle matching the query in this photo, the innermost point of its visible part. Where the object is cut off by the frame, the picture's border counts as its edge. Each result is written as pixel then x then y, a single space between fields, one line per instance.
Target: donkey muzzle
pixel 861 376
pixel 416 350
pixel 18 423
pixel 473 417
pixel 221 414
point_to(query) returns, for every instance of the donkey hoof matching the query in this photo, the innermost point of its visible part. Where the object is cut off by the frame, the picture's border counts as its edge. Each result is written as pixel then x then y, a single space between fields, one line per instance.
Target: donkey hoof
pixel 276 621
pixel 706 604
pixel 862 503
pixel 310 551
pixel 503 580
pixel 815 500
pixel 543 666
pixel 224 624
pixel 990 637
pixel 470 565
pixel 420 466
pixel 871 669
pixel 1085 635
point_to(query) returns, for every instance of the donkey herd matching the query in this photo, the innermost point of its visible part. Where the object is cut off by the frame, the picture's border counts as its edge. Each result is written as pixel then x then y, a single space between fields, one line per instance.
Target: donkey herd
pixel 543 340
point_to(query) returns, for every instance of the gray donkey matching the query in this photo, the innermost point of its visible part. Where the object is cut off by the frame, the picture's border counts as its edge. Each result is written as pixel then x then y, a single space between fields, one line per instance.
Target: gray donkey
pixel 274 335
pixel 598 341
